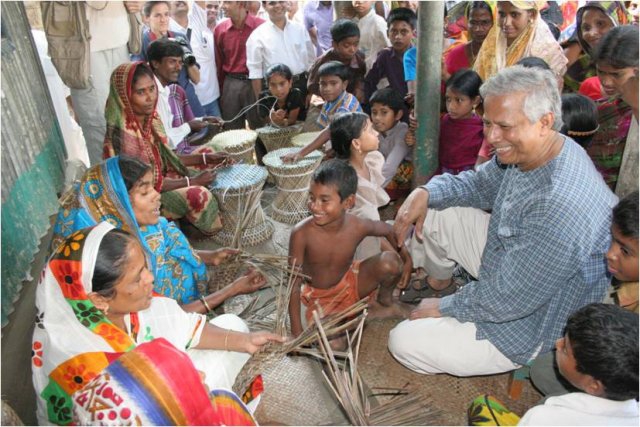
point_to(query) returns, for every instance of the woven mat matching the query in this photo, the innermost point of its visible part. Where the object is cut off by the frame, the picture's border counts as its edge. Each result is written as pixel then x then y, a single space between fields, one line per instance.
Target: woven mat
pixel 451 395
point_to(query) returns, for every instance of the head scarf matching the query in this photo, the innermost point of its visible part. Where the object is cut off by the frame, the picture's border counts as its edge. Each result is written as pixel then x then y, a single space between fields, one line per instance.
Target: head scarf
pixel 126 135
pixel 584 68
pixel 614 10
pixel 68 324
pixel 535 40
pixel 76 349
pixel 469 8
pixel 101 195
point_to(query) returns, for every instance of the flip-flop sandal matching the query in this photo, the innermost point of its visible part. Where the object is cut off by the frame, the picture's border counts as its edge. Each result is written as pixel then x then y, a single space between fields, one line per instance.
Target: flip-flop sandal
pixel 413 295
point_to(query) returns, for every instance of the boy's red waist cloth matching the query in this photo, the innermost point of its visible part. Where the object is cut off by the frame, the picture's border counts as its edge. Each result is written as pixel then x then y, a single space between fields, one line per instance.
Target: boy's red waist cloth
pixel 334 299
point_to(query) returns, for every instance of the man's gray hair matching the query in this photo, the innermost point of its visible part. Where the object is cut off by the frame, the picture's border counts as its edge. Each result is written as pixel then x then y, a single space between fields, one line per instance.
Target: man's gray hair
pixel 539 86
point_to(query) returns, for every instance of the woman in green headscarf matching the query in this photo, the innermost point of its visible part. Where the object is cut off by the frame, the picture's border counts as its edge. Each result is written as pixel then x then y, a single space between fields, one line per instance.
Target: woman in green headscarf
pixel 593 21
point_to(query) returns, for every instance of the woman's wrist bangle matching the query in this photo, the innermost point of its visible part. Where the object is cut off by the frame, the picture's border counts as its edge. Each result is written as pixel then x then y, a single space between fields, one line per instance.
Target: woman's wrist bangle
pixel 204 158
pixel 206 306
pixel 188 182
pixel 226 340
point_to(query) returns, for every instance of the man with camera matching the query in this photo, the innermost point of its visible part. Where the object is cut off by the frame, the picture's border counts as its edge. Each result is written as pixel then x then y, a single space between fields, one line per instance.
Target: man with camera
pixel 157 14
pixel 185 131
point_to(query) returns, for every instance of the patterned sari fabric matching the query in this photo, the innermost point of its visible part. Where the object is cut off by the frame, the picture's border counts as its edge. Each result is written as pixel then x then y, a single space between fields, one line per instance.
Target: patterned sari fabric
pixel 584 68
pixel 607 145
pixel 86 370
pixel 155 384
pixel 535 40
pixel 148 142
pixel 101 195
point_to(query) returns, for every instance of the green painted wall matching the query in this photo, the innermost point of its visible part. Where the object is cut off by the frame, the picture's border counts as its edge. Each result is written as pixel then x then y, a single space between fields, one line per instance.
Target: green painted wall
pixel 25 218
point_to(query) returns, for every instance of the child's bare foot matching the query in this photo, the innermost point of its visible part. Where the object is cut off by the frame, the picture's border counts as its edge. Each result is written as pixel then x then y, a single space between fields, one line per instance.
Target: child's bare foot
pixel 339 343
pixel 396 310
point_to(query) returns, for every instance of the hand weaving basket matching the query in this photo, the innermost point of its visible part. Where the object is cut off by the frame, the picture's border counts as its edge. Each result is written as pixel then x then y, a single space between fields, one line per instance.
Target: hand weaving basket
pixel 239 143
pixel 278 137
pixel 302 139
pixel 292 179
pixel 238 189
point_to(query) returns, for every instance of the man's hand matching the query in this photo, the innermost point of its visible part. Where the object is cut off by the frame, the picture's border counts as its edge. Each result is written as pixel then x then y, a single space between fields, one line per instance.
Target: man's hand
pixel 217 121
pixel 412 211
pixel 197 125
pixel 428 307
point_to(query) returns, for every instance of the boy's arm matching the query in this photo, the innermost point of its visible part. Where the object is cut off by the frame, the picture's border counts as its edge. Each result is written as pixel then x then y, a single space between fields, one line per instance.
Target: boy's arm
pixel 296 259
pixel 316 144
pixel 382 229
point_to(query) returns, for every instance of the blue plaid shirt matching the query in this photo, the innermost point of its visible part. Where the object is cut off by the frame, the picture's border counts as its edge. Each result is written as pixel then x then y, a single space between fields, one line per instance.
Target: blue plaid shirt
pixel 545 251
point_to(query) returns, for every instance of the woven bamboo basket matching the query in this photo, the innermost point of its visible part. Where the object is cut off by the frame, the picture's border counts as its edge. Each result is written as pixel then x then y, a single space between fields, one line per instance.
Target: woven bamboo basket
pixel 239 143
pixel 238 189
pixel 9 416
pixel 302 139
pixel 278 137
pixel 292 179
pixel 295 393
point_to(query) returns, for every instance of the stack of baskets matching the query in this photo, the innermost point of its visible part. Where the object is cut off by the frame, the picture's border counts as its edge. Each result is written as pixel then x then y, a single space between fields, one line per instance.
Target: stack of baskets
pixel 292 179
pixel 239 143
pixel 278 137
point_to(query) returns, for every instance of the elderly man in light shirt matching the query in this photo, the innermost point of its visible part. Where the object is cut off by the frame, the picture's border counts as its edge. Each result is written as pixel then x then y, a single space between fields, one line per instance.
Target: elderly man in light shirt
pixel 279 41
pixel 538 257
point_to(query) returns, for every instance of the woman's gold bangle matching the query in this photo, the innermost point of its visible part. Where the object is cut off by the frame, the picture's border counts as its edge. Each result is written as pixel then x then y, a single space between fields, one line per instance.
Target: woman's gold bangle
pixel 206 306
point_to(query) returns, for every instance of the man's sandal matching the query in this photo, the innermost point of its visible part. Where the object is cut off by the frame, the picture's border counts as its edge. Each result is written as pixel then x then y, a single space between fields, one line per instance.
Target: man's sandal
pixel 413 294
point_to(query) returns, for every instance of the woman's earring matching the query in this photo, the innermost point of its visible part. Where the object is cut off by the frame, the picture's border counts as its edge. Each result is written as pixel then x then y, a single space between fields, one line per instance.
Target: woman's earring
pixel 106 310
pixel 473 110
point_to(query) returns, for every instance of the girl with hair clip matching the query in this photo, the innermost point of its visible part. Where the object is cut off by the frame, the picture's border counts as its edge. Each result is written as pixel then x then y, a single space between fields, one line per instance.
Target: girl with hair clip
pixel 579 118
pixel 355 140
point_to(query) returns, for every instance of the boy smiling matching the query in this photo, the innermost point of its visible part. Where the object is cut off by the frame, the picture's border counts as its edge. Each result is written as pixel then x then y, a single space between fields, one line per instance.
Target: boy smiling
pixel 323 246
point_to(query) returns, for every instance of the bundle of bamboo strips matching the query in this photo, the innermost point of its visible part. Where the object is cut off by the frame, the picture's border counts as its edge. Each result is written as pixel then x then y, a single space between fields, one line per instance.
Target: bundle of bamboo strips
pixel 347 386
pixel 272 352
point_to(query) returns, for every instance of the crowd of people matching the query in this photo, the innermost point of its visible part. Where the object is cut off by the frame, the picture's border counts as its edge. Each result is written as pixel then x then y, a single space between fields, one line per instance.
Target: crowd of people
pixel 534 202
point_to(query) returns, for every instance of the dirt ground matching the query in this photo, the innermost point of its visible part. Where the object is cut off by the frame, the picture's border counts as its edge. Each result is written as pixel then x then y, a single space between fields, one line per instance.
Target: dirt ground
pixel 450 395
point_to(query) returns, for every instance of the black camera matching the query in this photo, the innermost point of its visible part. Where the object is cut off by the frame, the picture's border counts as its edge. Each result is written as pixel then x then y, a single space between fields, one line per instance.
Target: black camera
pixel 187 56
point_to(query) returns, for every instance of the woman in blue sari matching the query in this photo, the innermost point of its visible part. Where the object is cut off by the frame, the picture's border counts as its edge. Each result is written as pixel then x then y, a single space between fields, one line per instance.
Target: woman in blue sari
pixel 120 191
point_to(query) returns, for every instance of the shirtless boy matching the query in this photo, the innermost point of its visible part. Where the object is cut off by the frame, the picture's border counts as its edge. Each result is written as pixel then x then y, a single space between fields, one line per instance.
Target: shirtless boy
pixel 323 246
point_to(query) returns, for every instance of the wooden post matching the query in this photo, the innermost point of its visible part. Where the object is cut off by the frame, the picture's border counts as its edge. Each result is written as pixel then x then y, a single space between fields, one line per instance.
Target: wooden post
pixel 427 101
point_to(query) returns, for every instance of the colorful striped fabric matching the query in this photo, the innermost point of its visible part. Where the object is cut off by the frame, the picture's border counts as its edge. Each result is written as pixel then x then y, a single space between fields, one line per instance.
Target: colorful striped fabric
pixel 155 384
